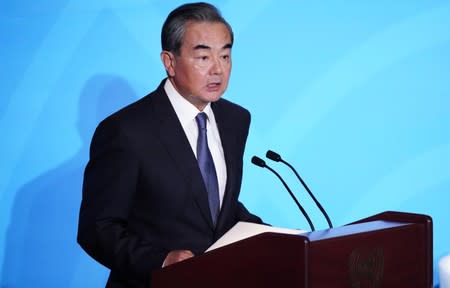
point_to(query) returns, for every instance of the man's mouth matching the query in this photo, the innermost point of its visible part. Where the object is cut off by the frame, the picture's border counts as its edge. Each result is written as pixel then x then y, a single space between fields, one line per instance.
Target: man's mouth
pixel 214 86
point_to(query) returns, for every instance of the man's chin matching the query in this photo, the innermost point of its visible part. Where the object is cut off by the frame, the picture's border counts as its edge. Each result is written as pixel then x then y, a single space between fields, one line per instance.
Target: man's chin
pixel 213 97
pixel 216 99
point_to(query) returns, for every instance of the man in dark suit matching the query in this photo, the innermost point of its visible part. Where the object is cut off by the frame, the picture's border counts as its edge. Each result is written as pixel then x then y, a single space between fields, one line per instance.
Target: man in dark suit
pixel 164 174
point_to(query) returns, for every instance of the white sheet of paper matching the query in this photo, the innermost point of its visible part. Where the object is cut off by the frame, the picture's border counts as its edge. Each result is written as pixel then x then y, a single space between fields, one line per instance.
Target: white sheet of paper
pixel 243 230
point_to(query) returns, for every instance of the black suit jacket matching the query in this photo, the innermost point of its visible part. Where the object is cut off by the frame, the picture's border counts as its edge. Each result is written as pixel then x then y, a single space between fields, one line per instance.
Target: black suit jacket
pixel 143 193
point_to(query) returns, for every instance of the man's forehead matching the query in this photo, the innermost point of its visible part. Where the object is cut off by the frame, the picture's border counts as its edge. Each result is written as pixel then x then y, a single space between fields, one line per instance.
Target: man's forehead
pixel 204 35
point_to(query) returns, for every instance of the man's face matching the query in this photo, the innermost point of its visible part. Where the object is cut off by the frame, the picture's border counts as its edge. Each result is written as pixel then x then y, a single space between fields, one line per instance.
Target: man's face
pixel 201 72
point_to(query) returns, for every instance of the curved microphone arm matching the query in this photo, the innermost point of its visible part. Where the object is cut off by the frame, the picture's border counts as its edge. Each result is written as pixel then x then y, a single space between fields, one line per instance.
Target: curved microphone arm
pixel 261 163
pixel 309 192
pixel 293 197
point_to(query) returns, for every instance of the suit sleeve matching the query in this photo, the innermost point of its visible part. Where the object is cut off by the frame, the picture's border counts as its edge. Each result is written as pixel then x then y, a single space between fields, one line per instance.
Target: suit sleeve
pixel 108 192
pixel 245 215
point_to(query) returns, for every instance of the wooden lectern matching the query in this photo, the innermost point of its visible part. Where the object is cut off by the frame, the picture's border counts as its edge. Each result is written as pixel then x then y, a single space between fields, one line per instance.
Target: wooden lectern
pixel 391 249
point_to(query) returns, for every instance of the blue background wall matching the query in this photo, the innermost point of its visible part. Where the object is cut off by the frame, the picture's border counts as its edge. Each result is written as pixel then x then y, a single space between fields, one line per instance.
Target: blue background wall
pixel 356 94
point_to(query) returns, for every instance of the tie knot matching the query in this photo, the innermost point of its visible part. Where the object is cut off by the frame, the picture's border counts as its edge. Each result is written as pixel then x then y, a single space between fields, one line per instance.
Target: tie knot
pixel 201 120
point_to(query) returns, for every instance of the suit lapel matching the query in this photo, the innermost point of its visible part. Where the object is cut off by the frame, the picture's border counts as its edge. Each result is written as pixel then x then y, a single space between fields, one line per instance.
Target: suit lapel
pixel 176 143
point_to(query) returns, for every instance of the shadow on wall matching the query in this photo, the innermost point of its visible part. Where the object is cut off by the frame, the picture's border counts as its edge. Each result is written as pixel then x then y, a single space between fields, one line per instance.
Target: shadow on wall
pixel 41 248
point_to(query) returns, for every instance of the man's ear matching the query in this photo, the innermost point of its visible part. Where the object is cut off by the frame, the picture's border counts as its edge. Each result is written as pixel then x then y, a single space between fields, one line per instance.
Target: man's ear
pixel 168 60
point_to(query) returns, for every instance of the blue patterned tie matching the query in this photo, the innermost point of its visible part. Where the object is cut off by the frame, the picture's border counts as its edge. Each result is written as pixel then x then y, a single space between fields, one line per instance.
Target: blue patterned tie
pixel 206 164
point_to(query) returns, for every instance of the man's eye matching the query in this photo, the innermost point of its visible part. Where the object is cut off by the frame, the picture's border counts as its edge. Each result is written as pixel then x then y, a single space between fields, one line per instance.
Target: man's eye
pixel 226 57
pixel 203 58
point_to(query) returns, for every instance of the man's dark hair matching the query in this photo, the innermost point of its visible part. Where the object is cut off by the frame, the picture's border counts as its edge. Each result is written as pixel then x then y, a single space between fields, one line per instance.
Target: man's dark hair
pixel 174 27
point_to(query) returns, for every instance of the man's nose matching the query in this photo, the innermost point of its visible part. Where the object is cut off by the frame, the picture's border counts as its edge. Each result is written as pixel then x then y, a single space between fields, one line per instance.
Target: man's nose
pixel 216 67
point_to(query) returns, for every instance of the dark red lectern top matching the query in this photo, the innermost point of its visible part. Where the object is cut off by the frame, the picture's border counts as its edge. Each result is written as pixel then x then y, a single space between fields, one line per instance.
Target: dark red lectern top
pixel 391 249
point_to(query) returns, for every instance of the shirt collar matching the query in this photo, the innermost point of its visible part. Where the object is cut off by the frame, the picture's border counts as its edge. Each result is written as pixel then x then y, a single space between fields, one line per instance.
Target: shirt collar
pixel 185 111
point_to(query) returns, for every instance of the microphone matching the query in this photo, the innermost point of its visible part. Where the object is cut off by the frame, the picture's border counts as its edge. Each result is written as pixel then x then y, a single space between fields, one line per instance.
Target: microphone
pixel 261 163
pixel 277 158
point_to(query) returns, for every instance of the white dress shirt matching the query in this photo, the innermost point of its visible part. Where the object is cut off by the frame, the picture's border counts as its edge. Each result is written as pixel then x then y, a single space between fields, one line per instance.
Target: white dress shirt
pixel 186 113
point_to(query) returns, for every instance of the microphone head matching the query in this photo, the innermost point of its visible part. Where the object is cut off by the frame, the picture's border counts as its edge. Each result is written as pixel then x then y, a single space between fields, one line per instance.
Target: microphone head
pixel 258 161
pixel 273 156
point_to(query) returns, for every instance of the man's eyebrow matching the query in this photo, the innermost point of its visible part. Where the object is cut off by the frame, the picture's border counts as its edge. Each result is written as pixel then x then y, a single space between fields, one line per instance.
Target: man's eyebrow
pixel 203 46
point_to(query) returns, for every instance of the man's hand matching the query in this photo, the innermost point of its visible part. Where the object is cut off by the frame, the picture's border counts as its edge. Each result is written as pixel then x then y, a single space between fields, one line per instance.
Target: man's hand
pixel 177 256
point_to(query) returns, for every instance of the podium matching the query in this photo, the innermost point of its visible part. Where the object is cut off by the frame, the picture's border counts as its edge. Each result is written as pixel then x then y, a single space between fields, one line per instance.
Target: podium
pixel 390 249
